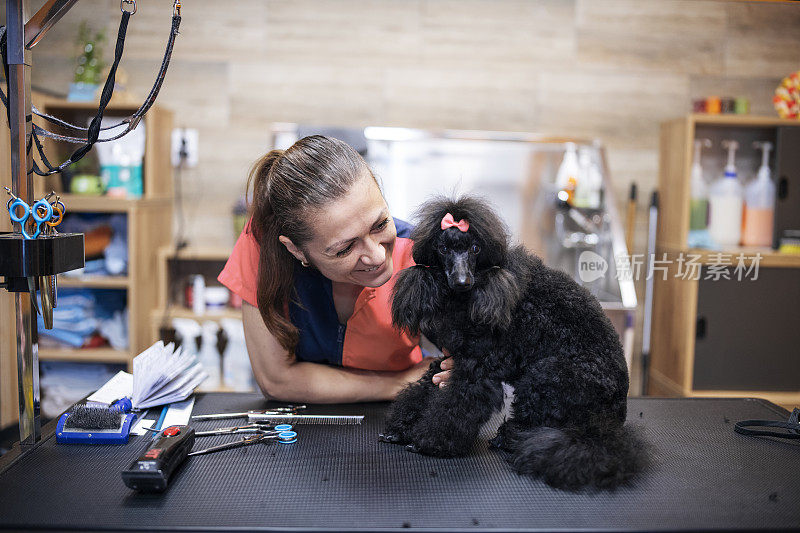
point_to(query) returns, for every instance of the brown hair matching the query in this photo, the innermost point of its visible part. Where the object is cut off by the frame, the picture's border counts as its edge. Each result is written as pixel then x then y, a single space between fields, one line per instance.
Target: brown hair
pixel 286 185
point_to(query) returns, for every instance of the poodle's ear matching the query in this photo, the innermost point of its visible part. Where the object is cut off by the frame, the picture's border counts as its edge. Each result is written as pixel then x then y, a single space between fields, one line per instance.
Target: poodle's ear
pixel 415 300
pixel 494 300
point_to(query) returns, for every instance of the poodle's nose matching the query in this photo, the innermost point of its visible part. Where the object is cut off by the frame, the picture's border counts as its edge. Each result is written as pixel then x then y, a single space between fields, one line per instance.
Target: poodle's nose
pixel 461 283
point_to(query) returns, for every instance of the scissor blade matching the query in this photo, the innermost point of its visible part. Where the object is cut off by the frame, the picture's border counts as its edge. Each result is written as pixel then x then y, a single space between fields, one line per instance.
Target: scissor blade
pixel 32 290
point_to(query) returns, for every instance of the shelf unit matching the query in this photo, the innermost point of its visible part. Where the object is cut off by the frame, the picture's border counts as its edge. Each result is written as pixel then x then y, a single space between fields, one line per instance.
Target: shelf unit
pixel 149 228
pixel 207 260
pixel 734 338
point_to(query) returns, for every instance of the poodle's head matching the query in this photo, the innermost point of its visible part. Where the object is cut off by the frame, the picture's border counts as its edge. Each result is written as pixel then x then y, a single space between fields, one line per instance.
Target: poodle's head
pixel 471 240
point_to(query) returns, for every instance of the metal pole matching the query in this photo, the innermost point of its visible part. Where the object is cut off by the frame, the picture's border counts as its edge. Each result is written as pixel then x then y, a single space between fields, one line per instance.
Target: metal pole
pixel 19 105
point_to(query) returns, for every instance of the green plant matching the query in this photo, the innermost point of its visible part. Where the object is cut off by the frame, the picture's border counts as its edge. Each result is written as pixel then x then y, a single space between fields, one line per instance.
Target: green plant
pixel 90 61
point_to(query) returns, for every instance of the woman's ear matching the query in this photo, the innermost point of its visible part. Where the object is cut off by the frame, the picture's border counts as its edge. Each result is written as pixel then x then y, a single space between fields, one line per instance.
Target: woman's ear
pixel 494 299
pixel 294 250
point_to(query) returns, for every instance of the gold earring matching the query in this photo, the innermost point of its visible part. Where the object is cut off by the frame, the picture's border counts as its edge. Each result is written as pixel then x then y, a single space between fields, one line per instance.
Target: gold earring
pixel 304 263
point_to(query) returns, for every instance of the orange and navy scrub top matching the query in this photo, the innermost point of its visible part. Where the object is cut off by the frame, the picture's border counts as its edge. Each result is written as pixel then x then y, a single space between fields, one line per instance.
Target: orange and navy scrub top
pixel 367 341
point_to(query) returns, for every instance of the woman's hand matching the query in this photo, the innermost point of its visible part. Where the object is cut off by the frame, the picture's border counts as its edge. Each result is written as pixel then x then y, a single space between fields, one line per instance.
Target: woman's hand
pixel 446 365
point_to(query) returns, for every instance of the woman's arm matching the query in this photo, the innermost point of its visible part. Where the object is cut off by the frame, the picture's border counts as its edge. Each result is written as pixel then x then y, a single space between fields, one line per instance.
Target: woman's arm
pixel 284 379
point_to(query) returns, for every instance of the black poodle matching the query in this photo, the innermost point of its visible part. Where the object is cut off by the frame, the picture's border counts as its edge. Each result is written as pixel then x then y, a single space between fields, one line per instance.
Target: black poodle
pixel 505 317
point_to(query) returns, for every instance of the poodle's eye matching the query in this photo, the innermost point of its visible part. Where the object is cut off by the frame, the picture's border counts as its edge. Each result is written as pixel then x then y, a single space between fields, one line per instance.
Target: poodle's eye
pixel 475 249
pixel 442 249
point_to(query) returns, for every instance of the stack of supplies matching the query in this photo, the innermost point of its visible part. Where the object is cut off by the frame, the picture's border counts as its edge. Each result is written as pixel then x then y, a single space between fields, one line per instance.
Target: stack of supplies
pixel 88 318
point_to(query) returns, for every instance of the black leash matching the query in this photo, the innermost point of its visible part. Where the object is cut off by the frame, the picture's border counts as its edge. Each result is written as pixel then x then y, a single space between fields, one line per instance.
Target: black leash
pixel 792 427
pixel 94 129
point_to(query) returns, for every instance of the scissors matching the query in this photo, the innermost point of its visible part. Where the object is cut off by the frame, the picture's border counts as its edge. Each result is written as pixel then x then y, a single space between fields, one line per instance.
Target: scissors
pixel 284 437
pixel 59 209
pixel 249 428
pixel 41 213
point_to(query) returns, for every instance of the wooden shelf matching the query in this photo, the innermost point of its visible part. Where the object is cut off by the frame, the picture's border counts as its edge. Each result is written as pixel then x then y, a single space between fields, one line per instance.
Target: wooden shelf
pixel 94 355
pixel 79 203
pixel 95 282
pixel 741 120
pixel 177 311
pixel 58 104
pixel 695 321
pixel 786 399
pixel 196 253
pixel 769 257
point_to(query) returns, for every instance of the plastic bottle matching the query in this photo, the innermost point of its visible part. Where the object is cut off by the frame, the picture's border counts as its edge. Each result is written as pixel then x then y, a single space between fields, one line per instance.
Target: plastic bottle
pixel 725 203
pixel 236 370
pixel 699 202
pixel 199 295
pixel 568 171
pixel 590 182
pixel 209 356
pixel 759 204
pixel 190 332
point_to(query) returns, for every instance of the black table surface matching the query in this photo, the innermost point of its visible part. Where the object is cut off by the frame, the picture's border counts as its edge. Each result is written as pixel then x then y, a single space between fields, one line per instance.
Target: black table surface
pixel 339 477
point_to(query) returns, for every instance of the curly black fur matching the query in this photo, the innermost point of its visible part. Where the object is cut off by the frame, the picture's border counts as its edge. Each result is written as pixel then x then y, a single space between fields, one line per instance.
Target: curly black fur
pixel 505 317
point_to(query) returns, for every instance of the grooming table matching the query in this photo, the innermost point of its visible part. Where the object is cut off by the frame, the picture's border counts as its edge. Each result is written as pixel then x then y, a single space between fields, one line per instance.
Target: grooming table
pixel 339 478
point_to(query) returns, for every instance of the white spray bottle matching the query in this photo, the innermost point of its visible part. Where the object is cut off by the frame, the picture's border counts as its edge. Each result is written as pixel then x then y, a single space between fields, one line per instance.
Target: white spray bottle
pixel 567 176
pixel 725 203
pixel 699 202
pixel 759 204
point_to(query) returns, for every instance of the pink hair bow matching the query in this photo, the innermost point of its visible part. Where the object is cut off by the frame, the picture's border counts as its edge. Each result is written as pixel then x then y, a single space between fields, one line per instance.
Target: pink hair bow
pixel 449 222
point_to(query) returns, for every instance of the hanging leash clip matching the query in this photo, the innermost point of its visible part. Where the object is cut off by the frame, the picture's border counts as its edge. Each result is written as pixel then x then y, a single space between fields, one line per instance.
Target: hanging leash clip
pixel 124 3
pixel 176 8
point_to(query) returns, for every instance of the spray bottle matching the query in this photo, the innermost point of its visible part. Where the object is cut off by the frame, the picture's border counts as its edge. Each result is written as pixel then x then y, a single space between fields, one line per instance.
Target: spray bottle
pixel 759 204
pixel 590 182
pixel 237 374
pixel 725 203
pixel 567 176
pixel 699 203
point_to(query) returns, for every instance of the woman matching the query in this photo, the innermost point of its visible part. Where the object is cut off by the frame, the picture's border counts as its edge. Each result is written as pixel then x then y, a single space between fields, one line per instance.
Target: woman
pixel 315 267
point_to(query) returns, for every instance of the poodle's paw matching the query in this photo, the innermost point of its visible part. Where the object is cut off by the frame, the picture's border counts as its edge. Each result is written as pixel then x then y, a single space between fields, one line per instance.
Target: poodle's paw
pixel 502 440
pixel 391 438
pixel 437 445
pixel 499 441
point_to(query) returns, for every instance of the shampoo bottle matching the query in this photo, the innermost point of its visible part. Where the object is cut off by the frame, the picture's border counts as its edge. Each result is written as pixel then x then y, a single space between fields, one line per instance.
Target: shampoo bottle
pixel 759 204
pixel 699 202
pixel 725 203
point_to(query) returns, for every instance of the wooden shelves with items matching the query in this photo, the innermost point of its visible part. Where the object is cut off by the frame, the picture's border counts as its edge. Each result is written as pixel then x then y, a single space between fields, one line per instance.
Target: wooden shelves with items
pixel 158 138
pixel 149 224
pixel 173 267
pixel 714 335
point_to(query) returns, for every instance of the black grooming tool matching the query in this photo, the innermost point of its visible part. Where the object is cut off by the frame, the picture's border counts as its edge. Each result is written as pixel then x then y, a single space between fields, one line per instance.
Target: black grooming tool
pixel 152 470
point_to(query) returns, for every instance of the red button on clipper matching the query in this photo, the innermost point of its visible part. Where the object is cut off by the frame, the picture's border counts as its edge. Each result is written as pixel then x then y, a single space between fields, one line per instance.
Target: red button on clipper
pixel 172 431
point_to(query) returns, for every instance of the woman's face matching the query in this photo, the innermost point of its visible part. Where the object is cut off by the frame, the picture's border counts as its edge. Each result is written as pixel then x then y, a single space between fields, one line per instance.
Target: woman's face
pixel 353 237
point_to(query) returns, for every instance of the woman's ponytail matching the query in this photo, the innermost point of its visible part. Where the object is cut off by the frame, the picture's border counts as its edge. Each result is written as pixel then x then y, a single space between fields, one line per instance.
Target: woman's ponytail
pixel 275 264
pixel 287 185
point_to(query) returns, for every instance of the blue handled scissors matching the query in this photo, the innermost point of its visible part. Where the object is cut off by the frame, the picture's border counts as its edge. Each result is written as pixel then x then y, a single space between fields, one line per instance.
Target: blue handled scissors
pixel 283 437
pixel 41 206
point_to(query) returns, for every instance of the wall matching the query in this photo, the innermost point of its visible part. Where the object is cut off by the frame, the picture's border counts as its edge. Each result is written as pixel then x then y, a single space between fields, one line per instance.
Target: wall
pixel 607 69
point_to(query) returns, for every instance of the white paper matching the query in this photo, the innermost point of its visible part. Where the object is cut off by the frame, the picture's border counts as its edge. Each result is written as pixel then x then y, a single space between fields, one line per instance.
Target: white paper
pixel 138 428
pixel 178 414
pixel 116 388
